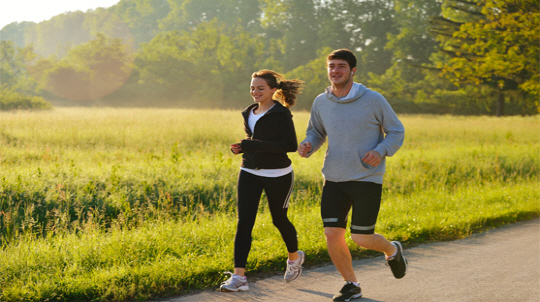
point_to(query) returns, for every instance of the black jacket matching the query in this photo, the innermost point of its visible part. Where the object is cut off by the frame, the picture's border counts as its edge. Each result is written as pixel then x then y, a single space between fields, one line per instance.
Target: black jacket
pixel 273 137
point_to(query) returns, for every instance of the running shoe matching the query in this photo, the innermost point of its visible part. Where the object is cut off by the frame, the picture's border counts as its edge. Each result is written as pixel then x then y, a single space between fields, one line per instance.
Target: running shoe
pixel 348 292
pixel 234 284
pixel 294 268
pixel 398 263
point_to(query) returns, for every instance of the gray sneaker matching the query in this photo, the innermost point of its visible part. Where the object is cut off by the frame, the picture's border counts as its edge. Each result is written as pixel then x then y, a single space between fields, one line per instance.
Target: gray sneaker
pixel 234 284
pixel 294 269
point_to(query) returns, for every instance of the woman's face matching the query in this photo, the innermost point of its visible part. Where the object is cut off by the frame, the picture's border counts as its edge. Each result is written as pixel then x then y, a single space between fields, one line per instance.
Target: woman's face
pixel 260 91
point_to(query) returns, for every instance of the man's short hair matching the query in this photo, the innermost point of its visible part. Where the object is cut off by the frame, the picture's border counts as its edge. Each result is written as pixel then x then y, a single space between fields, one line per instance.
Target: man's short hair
pixel 343 54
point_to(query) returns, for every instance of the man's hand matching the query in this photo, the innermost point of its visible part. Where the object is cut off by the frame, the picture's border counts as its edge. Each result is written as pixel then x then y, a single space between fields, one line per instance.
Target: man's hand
pixel 304 149
pixel 372 158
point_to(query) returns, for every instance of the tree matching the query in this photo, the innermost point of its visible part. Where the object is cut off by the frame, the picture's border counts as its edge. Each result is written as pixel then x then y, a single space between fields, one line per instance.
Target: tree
pixel 188 14
pixel 9 67
pixel 105 22
pixel 13 72
pixel 163 70
pixel 408 83
pixel 142 17
pixel 91 70
pixel 413 44
pixel 16 32
pixel 295 24
pixel 57 35
pixel 209 66
pixel 497 45
pixel 373 22
pixel 315 77
pixel 17 89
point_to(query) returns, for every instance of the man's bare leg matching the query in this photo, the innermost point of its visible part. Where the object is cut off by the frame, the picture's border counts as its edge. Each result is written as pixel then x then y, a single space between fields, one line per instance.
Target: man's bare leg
pixel 339 252
pixel 375 242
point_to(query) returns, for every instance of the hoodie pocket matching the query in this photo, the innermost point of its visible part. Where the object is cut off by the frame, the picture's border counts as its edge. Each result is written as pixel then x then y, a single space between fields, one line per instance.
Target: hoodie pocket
pixel 345 163
pixel 361 154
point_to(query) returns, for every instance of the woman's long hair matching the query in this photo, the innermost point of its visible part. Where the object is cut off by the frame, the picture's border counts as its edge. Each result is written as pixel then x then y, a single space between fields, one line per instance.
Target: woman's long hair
pixel 286 89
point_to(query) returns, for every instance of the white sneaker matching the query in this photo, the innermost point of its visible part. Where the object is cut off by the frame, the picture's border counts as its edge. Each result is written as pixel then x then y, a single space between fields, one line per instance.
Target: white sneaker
pixel 294 269
pixel 234 284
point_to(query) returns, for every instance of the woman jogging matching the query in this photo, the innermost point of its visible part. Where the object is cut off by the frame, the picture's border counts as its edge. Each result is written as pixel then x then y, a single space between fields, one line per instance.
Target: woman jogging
pixel 270 134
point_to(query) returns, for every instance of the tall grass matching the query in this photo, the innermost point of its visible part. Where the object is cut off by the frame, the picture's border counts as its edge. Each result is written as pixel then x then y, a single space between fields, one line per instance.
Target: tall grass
pixel 116 204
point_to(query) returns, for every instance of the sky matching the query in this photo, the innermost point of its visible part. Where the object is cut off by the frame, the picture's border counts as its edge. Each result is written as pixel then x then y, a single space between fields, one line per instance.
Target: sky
pixel 41 10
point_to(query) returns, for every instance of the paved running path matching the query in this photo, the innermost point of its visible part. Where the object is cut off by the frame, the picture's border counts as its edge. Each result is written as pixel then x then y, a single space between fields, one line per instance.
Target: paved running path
pixel 498 265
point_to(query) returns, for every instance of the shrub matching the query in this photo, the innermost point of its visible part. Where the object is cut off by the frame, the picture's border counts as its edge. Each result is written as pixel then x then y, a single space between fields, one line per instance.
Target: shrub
pixel 11 100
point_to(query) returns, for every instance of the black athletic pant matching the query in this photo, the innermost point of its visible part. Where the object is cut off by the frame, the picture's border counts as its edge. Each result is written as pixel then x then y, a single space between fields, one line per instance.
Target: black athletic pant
pixel 278 191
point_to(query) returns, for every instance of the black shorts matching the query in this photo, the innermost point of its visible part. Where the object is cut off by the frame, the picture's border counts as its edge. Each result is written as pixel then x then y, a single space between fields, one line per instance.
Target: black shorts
pixel 363 197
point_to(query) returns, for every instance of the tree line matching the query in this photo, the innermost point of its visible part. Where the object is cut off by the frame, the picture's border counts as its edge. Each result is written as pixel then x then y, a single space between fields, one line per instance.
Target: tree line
pixel 424 56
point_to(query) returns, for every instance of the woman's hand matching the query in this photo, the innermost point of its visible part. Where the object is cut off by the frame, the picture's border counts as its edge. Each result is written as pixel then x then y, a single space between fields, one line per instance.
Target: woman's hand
pixel 235 148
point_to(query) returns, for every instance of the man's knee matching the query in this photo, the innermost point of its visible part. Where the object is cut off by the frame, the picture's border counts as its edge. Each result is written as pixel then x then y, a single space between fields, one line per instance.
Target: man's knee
pixel 333 234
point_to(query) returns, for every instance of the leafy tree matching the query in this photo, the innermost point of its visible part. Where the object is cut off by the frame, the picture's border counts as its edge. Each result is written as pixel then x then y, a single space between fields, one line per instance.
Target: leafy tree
pixel 9 67
pixel 336 29
pixel 91 70
pixel 16 32
pixel 13 72
pixel 373 22
pixel 408 83
pixel 314 76
pixel 142 17
pixel 295 23
pixel 496 45
pixel 59 34
pixel 188 14
pixel 105 22
pixel 162 67
pixel 210 64
pixel 17 88
pixel 413 44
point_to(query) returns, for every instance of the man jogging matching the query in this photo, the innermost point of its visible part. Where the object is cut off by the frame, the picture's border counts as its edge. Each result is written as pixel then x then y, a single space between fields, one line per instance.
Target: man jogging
pixel 362 130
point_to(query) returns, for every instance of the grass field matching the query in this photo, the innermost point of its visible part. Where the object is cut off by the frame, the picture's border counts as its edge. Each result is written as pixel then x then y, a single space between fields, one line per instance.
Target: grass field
pixel 132 204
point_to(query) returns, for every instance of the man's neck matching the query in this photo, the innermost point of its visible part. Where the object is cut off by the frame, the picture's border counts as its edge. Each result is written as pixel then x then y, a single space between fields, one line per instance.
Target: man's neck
pixel 341 91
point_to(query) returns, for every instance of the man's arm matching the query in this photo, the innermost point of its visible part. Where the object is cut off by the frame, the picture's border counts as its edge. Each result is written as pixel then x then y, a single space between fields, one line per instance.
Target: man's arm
pixel 315 134
pixel 392 127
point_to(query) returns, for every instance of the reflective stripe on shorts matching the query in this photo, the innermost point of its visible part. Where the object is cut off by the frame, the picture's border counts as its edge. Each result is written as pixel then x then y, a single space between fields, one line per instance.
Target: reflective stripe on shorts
pixel 362 228
pixel 330 220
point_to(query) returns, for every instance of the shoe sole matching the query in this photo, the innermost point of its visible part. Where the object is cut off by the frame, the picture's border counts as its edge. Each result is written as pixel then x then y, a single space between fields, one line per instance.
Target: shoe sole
pixel 302 262
pixel 240 289
pixel 353 297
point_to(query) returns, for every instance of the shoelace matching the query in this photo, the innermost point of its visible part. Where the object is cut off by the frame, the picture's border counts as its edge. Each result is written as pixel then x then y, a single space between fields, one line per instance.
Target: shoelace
pixel 293 267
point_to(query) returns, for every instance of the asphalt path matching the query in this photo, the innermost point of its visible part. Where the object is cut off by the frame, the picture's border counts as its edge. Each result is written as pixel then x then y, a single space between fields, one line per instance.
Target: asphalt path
pixel 501 264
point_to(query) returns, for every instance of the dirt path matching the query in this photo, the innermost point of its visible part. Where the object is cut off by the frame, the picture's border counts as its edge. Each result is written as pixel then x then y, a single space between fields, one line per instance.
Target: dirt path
pixel 498 265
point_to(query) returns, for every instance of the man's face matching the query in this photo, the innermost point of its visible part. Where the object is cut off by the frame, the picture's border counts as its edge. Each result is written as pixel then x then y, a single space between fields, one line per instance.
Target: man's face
pixel 339 71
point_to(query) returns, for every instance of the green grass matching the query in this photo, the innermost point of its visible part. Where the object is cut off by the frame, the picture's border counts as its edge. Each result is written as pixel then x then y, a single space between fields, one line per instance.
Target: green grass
pixel 123 204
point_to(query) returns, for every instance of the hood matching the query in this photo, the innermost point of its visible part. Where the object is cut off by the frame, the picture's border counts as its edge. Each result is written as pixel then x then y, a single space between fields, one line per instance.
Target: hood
pixel 356 92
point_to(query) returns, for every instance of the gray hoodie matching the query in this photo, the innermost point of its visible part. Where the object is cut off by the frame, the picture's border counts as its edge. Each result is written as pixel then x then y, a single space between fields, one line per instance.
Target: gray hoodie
pixel 354 125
